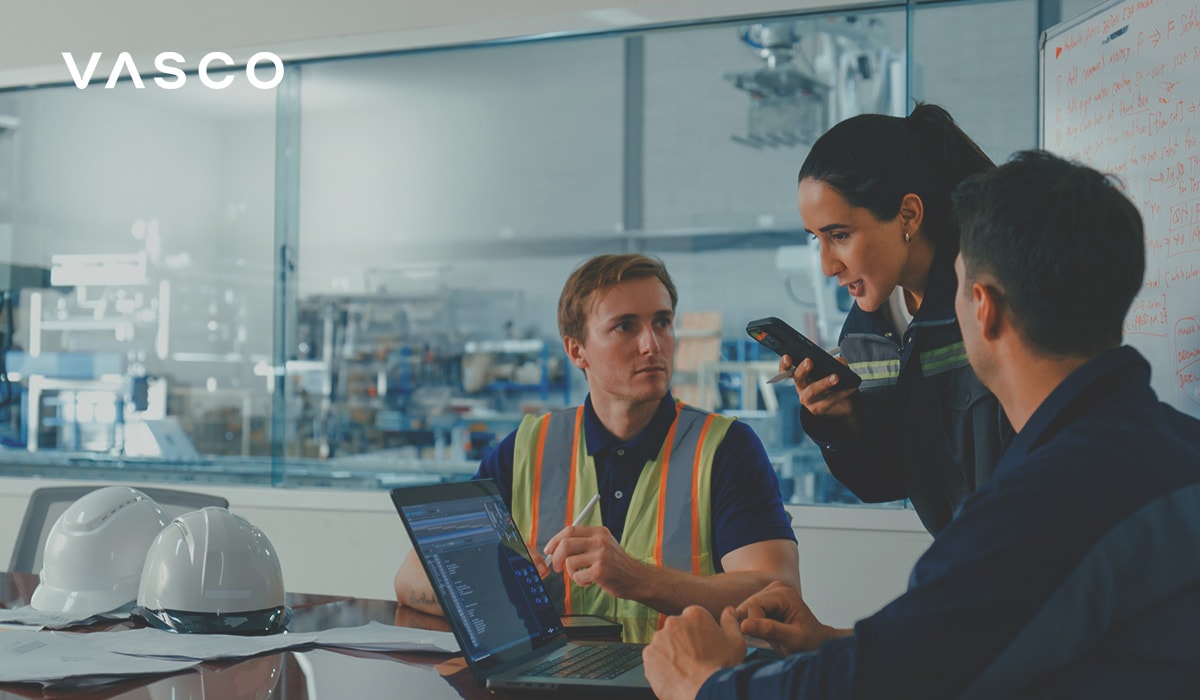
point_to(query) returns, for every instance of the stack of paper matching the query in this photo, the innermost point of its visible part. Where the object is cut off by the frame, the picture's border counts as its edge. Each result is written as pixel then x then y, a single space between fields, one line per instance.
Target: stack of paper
pixel 30 656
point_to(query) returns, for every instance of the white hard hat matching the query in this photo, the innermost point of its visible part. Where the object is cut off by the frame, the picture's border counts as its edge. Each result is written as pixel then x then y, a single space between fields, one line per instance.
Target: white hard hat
pixel 94 552
pixel 210 571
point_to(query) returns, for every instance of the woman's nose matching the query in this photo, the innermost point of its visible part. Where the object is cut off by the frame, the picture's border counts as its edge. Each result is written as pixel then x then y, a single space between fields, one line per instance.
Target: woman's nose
pixel 830 265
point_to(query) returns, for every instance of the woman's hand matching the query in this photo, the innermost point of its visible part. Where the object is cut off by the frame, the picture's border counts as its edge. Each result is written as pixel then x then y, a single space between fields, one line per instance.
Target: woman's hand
pixel 822 397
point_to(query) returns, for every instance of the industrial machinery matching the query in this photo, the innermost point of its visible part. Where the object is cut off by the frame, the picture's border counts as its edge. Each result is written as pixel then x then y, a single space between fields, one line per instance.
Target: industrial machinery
pixel 815 73
pixel 130 353
pixel 420 375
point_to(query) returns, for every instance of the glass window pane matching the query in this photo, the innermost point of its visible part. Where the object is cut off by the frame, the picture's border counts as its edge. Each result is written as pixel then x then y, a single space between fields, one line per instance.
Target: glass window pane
pixel 423 156
pixel 444 196
pixel 979 61
pixel 731 110
pixel 149 213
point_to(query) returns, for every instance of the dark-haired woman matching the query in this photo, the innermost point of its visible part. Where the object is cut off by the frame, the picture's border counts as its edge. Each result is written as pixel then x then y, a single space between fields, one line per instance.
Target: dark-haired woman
pixel 874 192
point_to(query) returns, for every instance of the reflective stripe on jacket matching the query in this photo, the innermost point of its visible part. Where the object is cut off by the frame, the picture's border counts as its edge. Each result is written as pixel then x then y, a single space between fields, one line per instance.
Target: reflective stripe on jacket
pixel 669 521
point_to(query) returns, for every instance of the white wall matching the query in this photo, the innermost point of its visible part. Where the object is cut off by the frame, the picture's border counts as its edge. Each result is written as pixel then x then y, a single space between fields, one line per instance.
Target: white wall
pixel 852 560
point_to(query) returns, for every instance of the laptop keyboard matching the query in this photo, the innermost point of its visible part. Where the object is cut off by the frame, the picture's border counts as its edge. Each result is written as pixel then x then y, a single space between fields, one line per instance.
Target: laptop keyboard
pixel 599 661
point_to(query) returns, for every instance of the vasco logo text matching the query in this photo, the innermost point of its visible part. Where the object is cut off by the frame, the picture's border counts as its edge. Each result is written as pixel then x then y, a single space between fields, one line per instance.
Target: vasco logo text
pixel 169 63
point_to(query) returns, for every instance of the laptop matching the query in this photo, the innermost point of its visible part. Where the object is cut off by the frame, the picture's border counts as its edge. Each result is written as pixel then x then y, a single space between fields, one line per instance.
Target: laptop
pixel 496 604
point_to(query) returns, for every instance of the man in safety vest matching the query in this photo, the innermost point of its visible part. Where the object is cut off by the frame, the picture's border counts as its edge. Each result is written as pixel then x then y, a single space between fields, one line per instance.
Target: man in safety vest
pixel 690 509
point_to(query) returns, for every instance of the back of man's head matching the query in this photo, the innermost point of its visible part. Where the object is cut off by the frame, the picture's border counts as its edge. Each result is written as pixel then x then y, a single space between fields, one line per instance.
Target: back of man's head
pixel 1061 243
pixel 602 272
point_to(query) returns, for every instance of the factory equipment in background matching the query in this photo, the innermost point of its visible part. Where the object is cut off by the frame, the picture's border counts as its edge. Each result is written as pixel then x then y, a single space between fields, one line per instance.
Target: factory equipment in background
pixel 432 376
pixel 135 354
pixel 815 73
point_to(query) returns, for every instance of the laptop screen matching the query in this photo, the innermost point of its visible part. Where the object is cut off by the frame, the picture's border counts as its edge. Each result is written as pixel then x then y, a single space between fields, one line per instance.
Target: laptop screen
pixel 480 568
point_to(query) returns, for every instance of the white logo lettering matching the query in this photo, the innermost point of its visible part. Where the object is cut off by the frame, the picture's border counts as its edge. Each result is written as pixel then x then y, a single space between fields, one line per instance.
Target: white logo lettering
pixel 161 64
pixel 170 65
pixel 81 81
pixel 204 63
pixel 123 60
pixel 252 64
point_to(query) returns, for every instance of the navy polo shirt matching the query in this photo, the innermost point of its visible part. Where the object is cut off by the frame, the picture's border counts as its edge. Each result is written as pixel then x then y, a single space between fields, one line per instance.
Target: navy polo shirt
pixel 746 504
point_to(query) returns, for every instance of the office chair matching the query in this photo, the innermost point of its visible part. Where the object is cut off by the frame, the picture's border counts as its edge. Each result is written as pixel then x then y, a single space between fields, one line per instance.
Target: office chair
pixel 46 504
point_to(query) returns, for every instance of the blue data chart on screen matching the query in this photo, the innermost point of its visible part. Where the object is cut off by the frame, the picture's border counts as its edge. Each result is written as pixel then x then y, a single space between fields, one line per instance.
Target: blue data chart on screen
pixel 478 561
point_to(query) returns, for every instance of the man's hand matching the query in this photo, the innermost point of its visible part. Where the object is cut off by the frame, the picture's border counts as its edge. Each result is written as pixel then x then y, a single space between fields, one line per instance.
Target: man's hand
pixel 690 648
pixel 590 555
pixel 539 561
pixel 777 614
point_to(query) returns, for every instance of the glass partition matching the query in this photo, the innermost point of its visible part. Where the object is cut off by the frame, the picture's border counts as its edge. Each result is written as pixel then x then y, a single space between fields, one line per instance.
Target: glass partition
pixel 968 58
pixel 419 213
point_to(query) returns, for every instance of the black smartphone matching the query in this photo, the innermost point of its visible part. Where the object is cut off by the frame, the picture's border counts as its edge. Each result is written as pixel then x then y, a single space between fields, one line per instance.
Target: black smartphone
pixel 785 340
pixel 578 626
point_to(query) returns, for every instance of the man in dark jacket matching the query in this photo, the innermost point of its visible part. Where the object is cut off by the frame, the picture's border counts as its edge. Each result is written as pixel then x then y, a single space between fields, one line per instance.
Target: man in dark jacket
pixel 1073 571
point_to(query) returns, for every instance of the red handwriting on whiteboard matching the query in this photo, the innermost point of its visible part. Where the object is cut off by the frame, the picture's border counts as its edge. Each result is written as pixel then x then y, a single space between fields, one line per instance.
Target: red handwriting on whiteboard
pixel 1187 357
pixel 1148 316
pixel 1181 272
pixel 1190 21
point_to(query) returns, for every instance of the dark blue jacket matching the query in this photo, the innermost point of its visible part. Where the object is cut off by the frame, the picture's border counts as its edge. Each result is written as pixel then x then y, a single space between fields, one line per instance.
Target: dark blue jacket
pixel 929 430
pixel 1073 573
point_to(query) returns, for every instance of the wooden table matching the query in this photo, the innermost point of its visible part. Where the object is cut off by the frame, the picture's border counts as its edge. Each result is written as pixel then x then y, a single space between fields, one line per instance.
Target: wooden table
pixel 316 673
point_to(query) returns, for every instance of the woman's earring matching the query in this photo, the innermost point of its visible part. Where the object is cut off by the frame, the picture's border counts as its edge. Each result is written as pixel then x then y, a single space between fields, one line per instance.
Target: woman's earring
pixel 907 236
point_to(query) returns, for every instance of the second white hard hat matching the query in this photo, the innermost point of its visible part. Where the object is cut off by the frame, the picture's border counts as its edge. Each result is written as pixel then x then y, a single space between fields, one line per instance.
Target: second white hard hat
pixel 210 571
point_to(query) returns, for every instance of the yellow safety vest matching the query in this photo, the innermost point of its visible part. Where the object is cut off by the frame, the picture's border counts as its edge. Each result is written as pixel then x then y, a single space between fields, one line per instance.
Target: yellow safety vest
pixel 669 520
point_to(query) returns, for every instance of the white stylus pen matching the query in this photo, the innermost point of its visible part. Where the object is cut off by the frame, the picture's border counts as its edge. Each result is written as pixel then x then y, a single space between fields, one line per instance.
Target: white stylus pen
pixel 787 374
pixel 587 510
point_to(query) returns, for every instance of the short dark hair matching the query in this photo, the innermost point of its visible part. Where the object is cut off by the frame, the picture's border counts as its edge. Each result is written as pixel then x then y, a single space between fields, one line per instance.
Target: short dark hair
pixel 1064 245
pixel 873 160
pixel 602 272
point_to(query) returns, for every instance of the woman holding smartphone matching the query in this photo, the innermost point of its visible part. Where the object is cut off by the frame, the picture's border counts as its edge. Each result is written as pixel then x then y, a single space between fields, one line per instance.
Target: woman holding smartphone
pixel 874 192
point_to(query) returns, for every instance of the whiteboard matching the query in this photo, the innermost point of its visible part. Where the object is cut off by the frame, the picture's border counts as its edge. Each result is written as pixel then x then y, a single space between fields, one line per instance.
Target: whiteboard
pixel 1120 91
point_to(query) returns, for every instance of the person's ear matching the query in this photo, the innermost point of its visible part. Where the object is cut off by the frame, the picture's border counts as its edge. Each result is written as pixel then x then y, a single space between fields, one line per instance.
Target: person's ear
pixel 989 310
pixel 912 213
pixel 575 353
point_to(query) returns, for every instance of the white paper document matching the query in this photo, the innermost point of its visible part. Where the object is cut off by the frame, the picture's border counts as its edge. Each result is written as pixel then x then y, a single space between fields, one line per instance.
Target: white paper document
pixel 29 656
pixel 27 615
pixel 149 642
pixel 374 636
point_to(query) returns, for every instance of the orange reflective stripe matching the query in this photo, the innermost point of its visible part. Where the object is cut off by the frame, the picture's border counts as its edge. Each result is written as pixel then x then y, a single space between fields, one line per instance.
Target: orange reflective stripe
pixel 662 485
pixel 696 497
pixel 537 480
pixel 571 501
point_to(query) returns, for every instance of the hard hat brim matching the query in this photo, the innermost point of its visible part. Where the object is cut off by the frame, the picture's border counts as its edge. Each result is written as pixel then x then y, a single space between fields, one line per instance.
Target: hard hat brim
pixel 253 622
